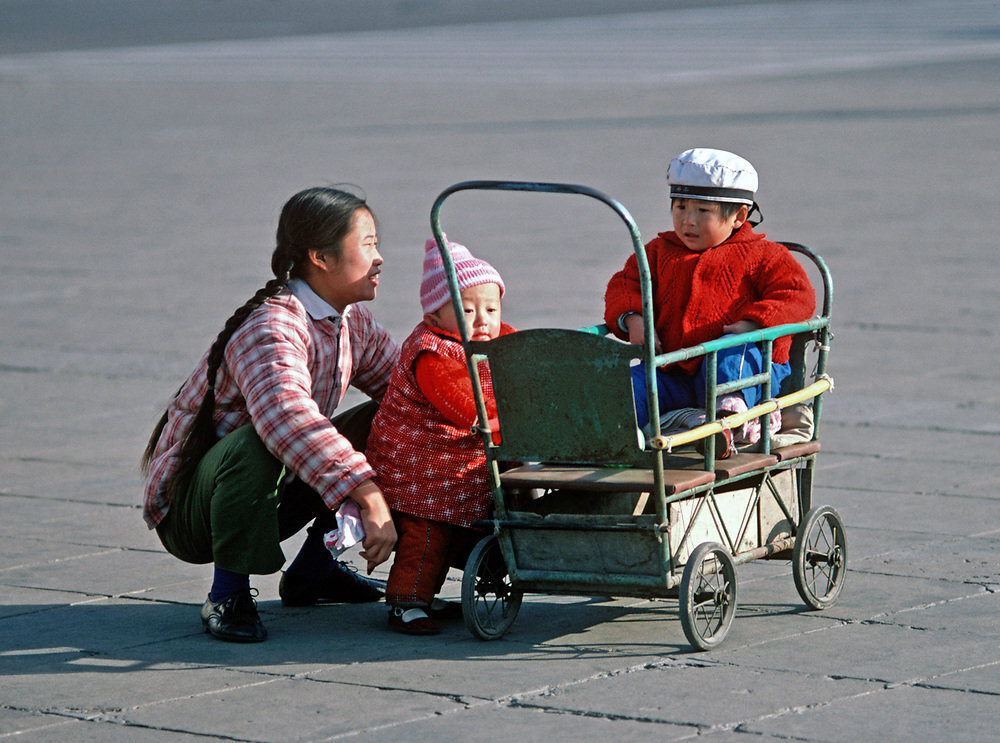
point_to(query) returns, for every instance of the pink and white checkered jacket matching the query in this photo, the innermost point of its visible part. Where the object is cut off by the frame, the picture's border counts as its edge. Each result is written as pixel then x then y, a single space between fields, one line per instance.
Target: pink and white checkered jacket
pixel 286 373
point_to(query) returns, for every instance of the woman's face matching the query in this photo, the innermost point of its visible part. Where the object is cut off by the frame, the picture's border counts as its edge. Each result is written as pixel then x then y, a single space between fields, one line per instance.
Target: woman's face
pixel 353 275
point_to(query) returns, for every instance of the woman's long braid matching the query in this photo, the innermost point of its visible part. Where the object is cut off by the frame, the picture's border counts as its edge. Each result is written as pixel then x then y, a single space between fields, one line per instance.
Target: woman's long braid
pixel 201 435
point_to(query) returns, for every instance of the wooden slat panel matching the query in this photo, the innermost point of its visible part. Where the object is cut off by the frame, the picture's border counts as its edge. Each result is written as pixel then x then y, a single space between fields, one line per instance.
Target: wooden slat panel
pixel 796 450
pixel 740 464
pixel 609 479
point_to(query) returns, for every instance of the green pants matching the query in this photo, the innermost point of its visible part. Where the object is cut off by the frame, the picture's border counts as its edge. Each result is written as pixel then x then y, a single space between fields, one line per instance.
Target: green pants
pixel 239 506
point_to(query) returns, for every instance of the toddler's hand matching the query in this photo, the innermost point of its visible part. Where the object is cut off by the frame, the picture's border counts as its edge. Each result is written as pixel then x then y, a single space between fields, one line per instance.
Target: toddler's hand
pixel 633 323
pixel 740 326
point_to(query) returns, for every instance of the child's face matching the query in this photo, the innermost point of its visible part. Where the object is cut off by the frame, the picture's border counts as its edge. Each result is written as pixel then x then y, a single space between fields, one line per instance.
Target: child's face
pixel 700 224
pixel 482 313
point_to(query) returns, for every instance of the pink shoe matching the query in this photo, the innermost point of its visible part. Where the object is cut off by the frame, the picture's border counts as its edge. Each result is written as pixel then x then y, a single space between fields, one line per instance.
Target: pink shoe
pixel 774 421
pixel 734 405
pixel 750 431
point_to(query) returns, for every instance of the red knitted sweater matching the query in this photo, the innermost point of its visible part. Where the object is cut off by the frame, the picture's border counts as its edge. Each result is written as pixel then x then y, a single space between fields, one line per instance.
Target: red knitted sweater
pixel 695 294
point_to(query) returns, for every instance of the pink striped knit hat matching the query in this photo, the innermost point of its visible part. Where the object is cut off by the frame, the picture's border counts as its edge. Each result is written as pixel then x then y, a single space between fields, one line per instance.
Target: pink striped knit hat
pixel 471 271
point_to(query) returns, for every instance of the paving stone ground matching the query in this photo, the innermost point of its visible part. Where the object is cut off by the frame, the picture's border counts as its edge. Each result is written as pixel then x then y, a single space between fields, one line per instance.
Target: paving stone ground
pixel 141 185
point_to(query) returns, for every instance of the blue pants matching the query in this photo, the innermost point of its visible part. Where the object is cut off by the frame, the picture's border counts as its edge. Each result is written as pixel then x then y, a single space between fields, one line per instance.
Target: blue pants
pixel 676 389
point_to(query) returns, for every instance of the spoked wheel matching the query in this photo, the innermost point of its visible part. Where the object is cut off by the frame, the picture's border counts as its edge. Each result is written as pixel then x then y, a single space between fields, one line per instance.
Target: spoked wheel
pixel 819 560
pixel 489 601
pixel 708 595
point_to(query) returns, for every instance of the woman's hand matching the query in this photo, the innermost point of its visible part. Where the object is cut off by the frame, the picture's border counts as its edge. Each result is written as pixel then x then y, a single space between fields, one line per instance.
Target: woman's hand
pixel 380 533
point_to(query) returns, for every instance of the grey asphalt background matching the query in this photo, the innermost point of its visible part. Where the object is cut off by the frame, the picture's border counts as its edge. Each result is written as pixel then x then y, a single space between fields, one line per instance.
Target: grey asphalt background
pixel 144 156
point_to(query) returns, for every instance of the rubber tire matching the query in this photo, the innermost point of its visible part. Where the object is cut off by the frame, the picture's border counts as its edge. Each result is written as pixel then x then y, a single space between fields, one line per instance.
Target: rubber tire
pixel 489 602
pixel 820 553
pixel 708 597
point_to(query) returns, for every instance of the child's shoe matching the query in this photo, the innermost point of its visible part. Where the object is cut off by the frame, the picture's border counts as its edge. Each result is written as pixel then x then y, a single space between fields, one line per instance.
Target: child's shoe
pixel 687 418
pixel 441 609
pixel 749 433
pixel 724 446
pixel 412 620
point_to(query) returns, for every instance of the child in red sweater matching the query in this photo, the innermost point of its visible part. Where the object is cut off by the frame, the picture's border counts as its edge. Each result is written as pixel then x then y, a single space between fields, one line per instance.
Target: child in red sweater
pixel 712 276
pixel 428 460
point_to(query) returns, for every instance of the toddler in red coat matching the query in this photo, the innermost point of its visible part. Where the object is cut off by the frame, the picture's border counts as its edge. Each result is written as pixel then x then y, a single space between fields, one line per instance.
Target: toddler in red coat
pixel 428 460
pixel 712 275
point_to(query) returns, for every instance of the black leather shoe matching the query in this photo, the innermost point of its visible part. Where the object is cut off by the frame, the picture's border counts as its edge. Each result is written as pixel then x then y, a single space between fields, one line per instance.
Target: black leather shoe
pixel 234 619
pixel 342 585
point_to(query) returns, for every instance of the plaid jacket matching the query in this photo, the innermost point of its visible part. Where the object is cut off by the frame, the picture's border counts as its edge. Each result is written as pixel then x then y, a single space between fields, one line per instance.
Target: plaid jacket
pixel 286 373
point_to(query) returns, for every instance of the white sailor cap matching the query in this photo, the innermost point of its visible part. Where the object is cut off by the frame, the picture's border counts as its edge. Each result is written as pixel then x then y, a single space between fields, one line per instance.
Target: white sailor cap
pixel 712 175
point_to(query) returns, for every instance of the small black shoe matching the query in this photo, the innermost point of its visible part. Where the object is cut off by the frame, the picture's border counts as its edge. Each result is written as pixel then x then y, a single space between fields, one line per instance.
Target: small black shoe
pixel 234 619
pixel 441 609
pixel 343 585
pixel 412 621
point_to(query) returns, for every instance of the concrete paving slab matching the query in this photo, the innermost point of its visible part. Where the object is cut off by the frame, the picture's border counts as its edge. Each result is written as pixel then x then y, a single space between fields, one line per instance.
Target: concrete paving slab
pixel 866 596
pixel 99 572
pixel 100 628
pixel 113 686
pixel 972 560
pixel 547 629
pixel 139 199
pixel 922 513
pixel 981 678
pixel 674 693
pixel 892 653
pixel 95 729
pixel 30 723
pixel 528 722
pixel 15 600
pixel 73 480
pixel 972 479
pixel 21 554
pixel 77 522
pixel 922 715
pixel 320 710
pixel 928 444
pixel 971 614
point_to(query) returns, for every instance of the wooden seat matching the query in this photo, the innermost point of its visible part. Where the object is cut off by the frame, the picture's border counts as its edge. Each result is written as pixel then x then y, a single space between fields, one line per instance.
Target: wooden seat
pixel 796 450
pixel 601 479
pixel 740 464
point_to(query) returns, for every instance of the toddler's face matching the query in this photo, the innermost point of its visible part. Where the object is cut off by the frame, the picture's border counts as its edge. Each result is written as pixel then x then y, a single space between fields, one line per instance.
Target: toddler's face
pixel 482 313
pixel 700 224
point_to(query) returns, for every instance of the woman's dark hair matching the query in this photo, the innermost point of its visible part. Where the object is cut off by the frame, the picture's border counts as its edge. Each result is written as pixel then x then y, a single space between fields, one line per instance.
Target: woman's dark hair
pixel 317 219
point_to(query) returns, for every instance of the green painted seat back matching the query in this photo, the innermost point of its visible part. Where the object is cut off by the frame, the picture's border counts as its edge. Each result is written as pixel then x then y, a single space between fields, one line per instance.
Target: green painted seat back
pixel 564 396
